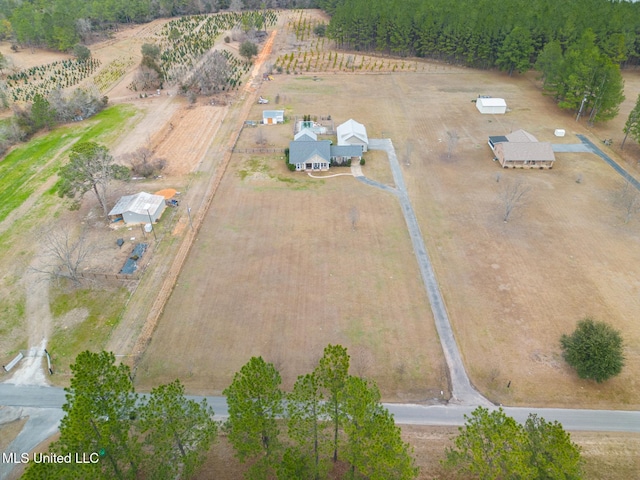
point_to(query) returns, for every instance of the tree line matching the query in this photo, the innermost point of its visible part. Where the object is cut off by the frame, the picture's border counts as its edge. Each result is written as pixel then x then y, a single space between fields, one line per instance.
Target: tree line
pixel 474 31
pixel 331 423
pixel 578 47
pixel 60 24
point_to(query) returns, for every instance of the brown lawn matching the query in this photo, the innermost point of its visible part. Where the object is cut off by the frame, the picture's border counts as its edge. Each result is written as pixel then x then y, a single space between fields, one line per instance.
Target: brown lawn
pixel 279 273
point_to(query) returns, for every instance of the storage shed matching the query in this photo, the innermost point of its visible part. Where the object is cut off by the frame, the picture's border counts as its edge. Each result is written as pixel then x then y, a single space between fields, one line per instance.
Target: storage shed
pixel 492 106
pixel 271 117
pixel 139 208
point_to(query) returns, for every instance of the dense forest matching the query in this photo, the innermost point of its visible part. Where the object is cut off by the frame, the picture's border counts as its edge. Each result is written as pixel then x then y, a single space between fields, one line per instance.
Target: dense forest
pixel 578 46
pixel 60 24
pixel 475 31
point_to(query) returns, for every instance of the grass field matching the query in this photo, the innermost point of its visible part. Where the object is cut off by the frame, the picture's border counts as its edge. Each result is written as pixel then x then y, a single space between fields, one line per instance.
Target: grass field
pixel 257 282
pixel 83 320
pixel 28 203
pixel 28 166
pixel 278 271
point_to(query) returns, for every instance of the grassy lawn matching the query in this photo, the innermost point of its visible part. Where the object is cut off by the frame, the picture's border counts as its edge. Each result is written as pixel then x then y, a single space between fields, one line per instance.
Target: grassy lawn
pixel 30 165
pixel 83 320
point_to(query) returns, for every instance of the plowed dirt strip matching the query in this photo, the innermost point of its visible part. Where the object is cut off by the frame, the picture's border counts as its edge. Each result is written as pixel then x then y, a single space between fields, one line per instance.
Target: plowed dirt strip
pixel 172 276
pixel 185 140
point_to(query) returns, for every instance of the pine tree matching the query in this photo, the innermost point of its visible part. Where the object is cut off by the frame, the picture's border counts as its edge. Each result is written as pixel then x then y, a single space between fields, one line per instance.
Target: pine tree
pixel 255 402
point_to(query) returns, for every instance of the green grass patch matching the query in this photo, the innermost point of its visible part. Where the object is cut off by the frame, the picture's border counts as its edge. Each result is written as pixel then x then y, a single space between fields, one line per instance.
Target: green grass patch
pixel 253 165
pixel 104 309
pixel 12 314
pixel 30 165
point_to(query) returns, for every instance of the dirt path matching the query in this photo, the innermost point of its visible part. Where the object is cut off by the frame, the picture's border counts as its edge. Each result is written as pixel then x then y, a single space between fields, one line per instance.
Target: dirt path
pixel 200 197
pixel 30 370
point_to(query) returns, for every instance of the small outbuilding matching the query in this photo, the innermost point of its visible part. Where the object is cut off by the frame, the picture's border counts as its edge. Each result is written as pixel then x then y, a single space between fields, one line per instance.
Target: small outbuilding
pixel 353 133
pixel 520 149
pixel 491 106
pixel 271 117
pixel 139 208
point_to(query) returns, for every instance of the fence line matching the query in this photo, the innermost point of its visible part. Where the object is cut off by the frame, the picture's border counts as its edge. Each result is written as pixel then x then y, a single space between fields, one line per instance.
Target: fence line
pixel 258 150
pixel 109 276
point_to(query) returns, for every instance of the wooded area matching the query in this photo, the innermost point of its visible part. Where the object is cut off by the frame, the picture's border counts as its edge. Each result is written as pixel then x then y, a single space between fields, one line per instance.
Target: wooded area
pixel 476 32
pixel 60 24
pixel 579 47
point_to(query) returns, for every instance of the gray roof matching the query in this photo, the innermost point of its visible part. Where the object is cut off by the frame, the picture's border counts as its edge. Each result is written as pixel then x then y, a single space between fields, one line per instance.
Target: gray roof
pixel 305 135
pixel 141 203
pixel 300 152
pixel 272 113
pixel 346 150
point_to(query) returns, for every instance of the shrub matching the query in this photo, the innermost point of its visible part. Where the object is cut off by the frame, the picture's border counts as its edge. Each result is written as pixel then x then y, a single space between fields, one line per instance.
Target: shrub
pixel 594 349
pixel 320 30
pixel 362 161
pixel 81 53
pixel 227 39
pixel 248 50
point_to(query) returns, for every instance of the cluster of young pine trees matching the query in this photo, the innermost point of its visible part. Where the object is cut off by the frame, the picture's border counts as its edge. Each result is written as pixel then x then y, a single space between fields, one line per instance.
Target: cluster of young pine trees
pixel 42 79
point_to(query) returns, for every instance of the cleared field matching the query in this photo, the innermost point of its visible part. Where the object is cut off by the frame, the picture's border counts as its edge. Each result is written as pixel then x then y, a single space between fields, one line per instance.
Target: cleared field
pixel 257 283
pixel 278 271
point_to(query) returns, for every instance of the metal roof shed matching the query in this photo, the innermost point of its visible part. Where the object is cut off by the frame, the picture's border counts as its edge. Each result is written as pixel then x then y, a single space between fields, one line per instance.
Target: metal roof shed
pixel 139 208
pixel 492 106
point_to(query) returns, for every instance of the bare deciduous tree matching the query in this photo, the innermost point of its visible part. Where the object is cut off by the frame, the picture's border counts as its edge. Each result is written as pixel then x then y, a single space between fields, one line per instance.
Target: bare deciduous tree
pixel 235 5
pixel 62 255
pixel 452 141
pixel 210 76
pixel 512 196
pixel 354 217
pixel 83 27
pixel 260 139
pixel 146 79
pixel 407 155
pixel 143 162
pixel 628 199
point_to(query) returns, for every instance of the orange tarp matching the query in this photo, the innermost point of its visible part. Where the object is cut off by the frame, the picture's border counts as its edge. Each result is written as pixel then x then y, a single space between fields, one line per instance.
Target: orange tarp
pixel 167 193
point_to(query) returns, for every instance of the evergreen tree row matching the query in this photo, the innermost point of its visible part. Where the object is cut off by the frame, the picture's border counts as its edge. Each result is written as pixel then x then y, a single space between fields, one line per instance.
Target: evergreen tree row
pixel 483 33
pixel 333 422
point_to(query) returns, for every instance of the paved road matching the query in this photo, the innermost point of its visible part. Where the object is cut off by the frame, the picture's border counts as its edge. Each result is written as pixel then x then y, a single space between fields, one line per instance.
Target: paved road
pixel 462 390
pixel 51 399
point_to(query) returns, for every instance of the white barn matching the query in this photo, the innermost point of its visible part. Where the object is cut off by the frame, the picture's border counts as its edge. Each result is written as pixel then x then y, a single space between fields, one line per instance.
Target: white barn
pixel 139 208
pixel 495 106
pixel 353 133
